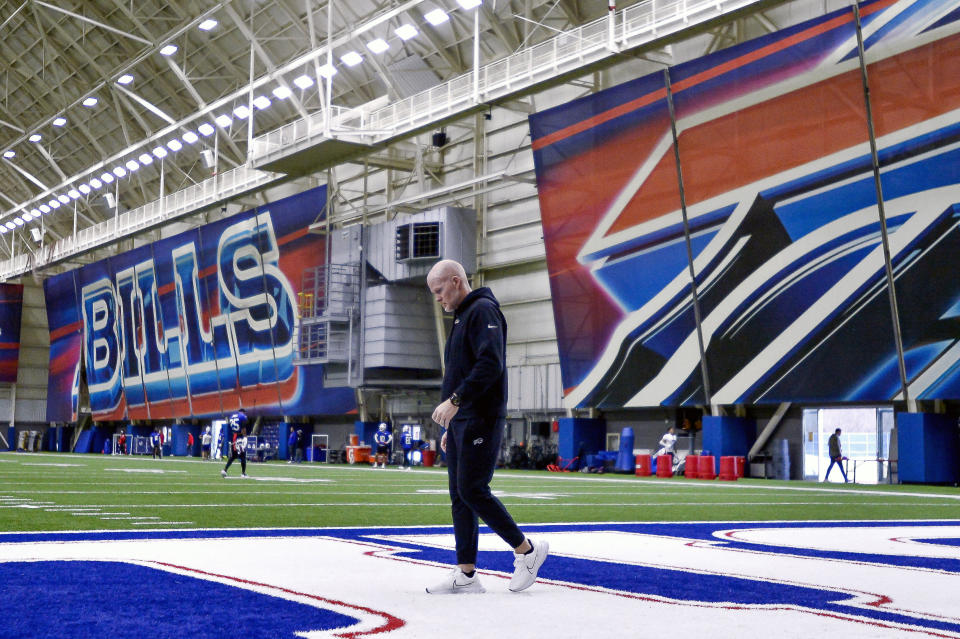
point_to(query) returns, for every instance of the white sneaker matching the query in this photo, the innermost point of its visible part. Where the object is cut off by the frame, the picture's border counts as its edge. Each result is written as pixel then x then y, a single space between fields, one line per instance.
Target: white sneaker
pixel 525 567
pixel 457 583
pixel 243 476
pixel 223 473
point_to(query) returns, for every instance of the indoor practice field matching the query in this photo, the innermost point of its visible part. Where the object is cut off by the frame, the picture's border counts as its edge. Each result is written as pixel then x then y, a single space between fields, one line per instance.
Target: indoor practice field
pixel 319 550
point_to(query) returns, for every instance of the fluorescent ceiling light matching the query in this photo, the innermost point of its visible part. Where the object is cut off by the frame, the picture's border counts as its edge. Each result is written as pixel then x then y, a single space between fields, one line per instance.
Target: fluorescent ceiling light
pixel 223 120
pixel 469 4
pixel 63 199
pixel 59 121
pixel 73 193
pixel 107 178
pixel 132 165
pixel 304 81
pixel 84 188
pixel 406 31
pixel 207 24
pixel 145 158
pixel 378 46
pixel 242 113
pixel 170 49
pixel 9 154
pixel 44 208
pixel 351 58
pixel 282 92
pixel 10 225
pixel 4 229
pixel 95 183
pixel 206 129
pixel 36 137
pixel 35 213
pixel 18 221
pixel 126 78
pixel 174 145
pixel 119 171
pixel 27 216
pixel 261 102
pixel 436 17
pixel 54 204
pixel 190 137
pixel 327 70
pixel 90 102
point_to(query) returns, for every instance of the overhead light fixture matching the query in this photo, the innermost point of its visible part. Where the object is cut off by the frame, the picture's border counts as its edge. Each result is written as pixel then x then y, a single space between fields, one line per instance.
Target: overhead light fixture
pixel 469 4
pixel 18 221
pixel 95 183
pixel 209 160
pixel 35 234
pixel 282 92
pixel 378 46
pixel 160 152
pixel 10 225
pixel 63 199
pixel 90 102
pixel 59 121
pixel 9 154
pixel 327 70
pixel 44 209
pixel 206 129
pixel 174 145
pixel 406 31
pixel 168 50
pixel 73 193
pixel 111 201
pixel 126 78
pixel 145 158
pixel 261 102
pixel 207 24
pixel 436 17
pixel 36 137
pixel 242 113
pixel 119 171
pixel 84 188
pixel 132 165
pixel 107 178
pixel 54 204
pixel 4 229
pixel 35 213
pixel 351 58
pixel 190 137
pixel 27 216
pixel 223 120
pixel 303 81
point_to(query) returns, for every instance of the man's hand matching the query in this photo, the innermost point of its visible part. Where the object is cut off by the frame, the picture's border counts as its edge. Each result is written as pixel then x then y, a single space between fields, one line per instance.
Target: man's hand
pixel 443 413
pixel 443 441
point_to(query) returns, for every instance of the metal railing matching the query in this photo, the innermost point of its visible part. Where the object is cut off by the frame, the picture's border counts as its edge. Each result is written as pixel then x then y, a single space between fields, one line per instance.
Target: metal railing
pixel 564 53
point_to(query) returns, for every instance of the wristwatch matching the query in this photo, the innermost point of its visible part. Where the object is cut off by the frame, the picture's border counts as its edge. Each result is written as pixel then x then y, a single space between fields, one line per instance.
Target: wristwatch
pixel 455 399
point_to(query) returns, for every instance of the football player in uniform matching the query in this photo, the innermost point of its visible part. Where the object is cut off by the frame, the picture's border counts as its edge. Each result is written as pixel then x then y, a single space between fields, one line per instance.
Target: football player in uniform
pixel 382 438
pixel 238 449
pixel 406 442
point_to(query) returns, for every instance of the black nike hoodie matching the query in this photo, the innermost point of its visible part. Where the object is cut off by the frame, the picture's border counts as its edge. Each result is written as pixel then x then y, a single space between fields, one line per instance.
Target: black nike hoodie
pixel 475 356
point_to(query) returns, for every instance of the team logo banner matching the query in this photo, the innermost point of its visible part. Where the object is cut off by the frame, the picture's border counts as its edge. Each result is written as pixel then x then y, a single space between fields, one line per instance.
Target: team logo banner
pixel 196 324
pixel 11 307
pixel 784 231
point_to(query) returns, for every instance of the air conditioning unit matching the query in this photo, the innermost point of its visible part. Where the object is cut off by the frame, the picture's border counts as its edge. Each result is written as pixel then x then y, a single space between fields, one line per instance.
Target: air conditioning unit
pixel 418 241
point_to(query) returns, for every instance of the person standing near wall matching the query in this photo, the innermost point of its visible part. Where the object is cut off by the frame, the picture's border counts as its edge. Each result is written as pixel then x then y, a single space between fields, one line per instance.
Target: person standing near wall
pixel 667 443
pixel 473 414
pixel 205 440
pixel 836 456
pixel 190 444
pixel 156 442
pixel 382 438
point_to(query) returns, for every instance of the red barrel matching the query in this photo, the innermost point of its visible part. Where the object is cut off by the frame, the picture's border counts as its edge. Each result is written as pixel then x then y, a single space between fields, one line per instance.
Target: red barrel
pixel 644 462
pixel 664 466
pixel 741 465
pixel 692 466
pixel 706 468
pixel 728 468
pixel 429 457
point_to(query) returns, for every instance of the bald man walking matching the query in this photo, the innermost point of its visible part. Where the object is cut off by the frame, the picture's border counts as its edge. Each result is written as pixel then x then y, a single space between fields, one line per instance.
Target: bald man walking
pixel 473 414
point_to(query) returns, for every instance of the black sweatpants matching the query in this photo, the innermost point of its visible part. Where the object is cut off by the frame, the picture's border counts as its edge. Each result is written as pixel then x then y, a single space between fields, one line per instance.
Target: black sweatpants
pixel 472 448
pixel 243 460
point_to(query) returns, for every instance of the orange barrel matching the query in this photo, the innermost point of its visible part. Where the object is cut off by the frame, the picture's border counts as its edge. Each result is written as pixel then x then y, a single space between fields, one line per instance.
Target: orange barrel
pixel 740 465
pixel 706 468
pixel 664 466
pixel 692 466
pixel 644 462
pixel 429 457
pixel 728 468
pixel 354 439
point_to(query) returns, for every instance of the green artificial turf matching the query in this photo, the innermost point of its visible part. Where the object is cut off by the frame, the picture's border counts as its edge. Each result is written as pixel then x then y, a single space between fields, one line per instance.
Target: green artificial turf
pixel 96 492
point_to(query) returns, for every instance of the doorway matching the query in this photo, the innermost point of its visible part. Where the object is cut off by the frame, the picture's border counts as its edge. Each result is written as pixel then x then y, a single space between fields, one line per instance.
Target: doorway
pixel 865 434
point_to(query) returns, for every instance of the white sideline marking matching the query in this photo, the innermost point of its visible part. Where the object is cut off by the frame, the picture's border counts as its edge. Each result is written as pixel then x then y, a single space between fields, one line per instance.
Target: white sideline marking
pixel 144 470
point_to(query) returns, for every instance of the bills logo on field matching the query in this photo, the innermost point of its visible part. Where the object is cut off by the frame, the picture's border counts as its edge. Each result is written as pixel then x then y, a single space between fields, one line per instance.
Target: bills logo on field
pixel 182 326
pixel 855 579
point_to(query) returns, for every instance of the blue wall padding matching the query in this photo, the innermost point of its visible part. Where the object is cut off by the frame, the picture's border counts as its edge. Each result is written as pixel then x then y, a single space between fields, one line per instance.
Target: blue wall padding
pixel 179 439
pixel 928 448
pixel 364 431
pixel 728 436
pixel 576 430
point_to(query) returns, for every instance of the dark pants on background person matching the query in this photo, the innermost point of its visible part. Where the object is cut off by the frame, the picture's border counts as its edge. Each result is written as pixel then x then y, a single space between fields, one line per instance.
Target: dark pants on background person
pixel 839 462
pixel 473 445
